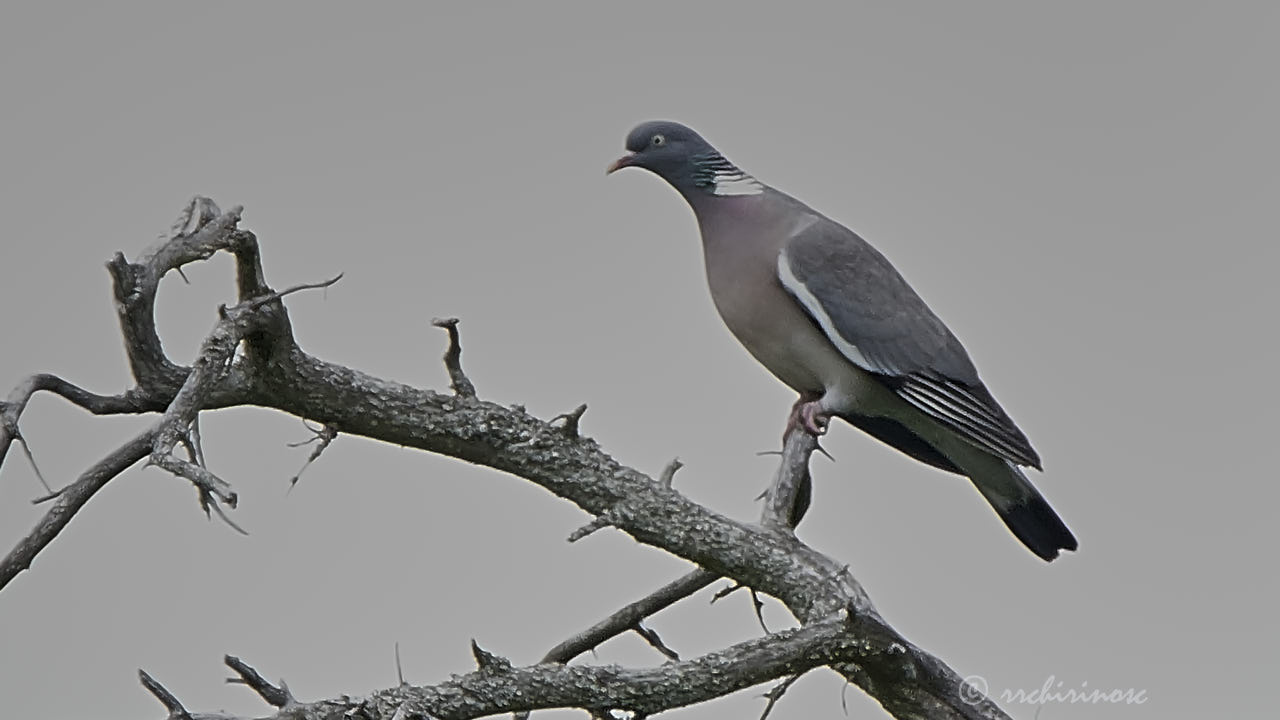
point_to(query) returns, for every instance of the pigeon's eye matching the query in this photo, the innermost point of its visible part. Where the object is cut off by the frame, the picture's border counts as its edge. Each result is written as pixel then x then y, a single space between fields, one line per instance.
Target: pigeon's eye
pixel 658 140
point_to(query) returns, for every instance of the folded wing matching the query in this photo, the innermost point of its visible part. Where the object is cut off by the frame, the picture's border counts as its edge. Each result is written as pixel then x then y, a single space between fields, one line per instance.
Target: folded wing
pixel 878 322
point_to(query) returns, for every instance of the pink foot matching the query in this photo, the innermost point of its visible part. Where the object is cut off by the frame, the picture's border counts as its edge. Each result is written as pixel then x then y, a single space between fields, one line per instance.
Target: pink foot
pixel 808 414
pixel 813 418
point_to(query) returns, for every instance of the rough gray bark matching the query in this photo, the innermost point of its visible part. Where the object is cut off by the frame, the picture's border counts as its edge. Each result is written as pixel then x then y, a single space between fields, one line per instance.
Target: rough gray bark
pixel 840 627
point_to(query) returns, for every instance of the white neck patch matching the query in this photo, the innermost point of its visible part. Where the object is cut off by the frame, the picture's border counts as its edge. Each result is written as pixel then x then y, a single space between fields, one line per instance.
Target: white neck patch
pixel 735 182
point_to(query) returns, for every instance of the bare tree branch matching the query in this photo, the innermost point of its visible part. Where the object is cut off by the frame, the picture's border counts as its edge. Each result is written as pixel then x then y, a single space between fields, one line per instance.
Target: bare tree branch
pixel 498 687
pixel 787 499
pixel 166 698
pixel 275 696
pixel 840 627
pixel 630 616
pixel 779 511
pixel 12 407
pixel 69 502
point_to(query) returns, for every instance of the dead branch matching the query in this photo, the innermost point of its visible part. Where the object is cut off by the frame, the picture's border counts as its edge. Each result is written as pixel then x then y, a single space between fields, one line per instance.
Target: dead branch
pixel 780 510
pixel 323 438
pixel 275 696
pixel 628 617
pixel 12 407
pixel 166 698
pixel 839 626
pixel 498 687
pixel 69 501
pixel 453 358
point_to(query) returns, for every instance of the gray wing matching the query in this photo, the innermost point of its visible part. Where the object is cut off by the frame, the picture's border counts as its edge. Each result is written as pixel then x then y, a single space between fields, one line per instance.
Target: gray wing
pixel 868 311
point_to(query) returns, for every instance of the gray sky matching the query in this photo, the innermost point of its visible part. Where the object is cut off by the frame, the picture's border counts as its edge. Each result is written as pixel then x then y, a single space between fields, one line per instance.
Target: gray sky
pixel 1084 191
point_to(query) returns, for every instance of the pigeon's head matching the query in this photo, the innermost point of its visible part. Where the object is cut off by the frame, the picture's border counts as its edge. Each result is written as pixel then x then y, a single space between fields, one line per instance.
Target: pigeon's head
pixel 667 148
pixel 681 157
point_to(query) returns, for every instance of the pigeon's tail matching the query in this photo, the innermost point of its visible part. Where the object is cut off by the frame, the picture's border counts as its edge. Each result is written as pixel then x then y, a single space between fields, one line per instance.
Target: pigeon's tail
pixel 1026 512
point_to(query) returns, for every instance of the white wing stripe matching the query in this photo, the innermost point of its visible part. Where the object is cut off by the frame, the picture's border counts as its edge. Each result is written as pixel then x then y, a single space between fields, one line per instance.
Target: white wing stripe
pixel 946 402
pixel 816 311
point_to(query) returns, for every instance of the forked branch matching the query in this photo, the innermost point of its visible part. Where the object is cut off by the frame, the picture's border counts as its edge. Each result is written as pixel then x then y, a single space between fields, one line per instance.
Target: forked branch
pixel 251 357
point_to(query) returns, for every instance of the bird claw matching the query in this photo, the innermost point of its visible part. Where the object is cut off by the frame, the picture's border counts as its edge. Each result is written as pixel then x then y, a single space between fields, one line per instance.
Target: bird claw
pixel 813 419
pixel 809 415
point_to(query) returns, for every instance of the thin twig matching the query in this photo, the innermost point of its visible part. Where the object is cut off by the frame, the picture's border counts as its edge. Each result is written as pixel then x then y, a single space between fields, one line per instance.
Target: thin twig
pixel 604 520
pixel 196 441
pixel 488 662
pixel 258 302
pixel 51 496
pixel 217 508
pixel 399 669
pixel 630 615
pixel 166 698
pixel 726 591
pixel 324 437
pixel 276 696
pixel 758 605
pixel 571 420
pixel 776 693
pixel 651 636
pixel 212 485
pixel 69 501
pixel 668 476
pixel 26 450
pixel 453 358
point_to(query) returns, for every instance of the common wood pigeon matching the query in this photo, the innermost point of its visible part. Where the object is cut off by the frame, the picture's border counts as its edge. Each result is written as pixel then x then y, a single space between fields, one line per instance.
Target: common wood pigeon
pixel 829 316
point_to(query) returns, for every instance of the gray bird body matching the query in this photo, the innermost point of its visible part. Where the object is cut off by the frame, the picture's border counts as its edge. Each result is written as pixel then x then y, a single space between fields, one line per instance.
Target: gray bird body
pixel 830 317
pixel 741 242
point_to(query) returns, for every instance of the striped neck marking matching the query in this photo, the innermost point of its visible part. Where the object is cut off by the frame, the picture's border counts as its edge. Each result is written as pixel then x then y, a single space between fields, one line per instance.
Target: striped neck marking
pixel 720 177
